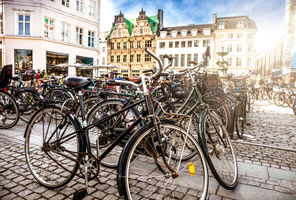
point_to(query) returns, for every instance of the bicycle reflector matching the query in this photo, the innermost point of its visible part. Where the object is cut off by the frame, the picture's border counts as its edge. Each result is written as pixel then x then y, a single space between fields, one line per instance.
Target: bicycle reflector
pixel 191 169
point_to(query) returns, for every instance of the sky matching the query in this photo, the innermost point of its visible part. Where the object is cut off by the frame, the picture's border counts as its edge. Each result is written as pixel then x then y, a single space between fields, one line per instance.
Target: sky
pixel 268 15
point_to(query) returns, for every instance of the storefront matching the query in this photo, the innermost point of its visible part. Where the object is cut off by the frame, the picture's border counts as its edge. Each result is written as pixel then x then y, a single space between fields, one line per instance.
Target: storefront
pixel 84 71
pixel 23 59
pixel 52 60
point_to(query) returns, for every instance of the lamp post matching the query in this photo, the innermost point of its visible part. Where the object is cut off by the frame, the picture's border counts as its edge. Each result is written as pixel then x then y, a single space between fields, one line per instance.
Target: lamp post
pixel 222 63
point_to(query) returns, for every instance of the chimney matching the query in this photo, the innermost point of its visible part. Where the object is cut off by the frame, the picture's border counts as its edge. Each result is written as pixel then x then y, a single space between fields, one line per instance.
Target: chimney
pixel 214 18
pixel 160 18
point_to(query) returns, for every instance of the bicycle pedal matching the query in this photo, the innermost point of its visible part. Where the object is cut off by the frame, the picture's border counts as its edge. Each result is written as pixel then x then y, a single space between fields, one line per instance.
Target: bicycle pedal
pixel 80 194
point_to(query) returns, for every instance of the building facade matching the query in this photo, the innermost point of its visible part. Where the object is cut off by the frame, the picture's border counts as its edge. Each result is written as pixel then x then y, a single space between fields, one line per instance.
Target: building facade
pixel 185 43
pixel 41 34
pixel 234 35
pixel 127 42
pixel 103 39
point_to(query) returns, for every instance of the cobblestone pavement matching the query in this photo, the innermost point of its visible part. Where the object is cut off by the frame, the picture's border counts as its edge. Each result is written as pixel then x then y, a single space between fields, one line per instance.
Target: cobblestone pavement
pixel 266 161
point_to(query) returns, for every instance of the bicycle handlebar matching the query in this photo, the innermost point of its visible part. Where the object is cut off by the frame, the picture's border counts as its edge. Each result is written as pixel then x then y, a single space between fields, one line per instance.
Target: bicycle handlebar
pixel 157 73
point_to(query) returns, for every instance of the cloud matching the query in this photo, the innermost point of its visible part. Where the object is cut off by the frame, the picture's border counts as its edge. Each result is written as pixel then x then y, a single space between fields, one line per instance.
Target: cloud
pixel 269 16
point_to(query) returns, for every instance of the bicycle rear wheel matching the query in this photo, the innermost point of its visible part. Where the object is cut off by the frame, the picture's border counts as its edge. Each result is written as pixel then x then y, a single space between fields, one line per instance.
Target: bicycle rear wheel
pixel 9 112
pixel 218 150
pixel 52 161
pixel 143 174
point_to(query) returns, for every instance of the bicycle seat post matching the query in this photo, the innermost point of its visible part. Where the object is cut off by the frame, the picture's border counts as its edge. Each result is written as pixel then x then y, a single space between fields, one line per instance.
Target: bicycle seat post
pixel 81 107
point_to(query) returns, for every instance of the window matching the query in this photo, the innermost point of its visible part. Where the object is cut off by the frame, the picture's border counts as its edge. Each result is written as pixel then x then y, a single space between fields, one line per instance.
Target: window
pixel 103 61
pixel 196 43
pixel 170 44
pixel 240 24
pixel 111 59
pixel 119 33
pixel 188 59
pixel 206 31
pixel 79 5
pixel 92 5
pixel 176 64
pixel 183 44
pixel 65 32
pixel 48 27
pixel 65 3
pixel 177 44
pixel 206 43
pixel 238 61
pixel 195 57
pixel 221 25
pixel 138 44
pixel 79 32
pixel 24 24
pixel 229 61
pixel 148 43
pixel 141 30
pixel 124 58
pixel 131 45
pixel 131 58
pixel 229 48
pixel 230 35
pixel 162 45
pixel 138 57
pixel 118 45
pixel 250 48
pixel 147 58
pixel 23 59
pixel 189 44
pixel 239 35
pixel 182 60
pixel 91 38
pixel 239 48
pixel 112 45
pixel 103 49
pixel 124 45
pixel 220 36
pixel 118 58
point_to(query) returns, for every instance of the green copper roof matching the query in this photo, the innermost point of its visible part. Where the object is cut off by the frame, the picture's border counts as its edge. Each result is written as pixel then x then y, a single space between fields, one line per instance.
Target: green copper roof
pixel 153 21
pixel 129 25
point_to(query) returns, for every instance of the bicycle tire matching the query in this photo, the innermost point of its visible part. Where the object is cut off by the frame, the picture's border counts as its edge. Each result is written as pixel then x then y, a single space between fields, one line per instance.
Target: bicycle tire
pixel 211 143
pixel 53 164
pixel 9 111
pixel 106 138
pixel 137 167
pixel 239 119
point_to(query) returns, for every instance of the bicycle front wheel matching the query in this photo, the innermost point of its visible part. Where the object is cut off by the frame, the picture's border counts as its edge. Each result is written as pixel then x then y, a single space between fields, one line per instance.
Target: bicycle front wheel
pixel 9 111
pixel 52 146
pixel 218 150
pixel 144 174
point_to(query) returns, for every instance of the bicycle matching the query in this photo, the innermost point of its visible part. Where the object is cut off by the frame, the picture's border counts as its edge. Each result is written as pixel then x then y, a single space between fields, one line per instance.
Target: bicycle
pixel 159 141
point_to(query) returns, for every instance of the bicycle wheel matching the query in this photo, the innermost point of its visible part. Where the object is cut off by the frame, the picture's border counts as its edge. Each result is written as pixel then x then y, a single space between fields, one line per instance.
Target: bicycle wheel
pixel 104 134
pixel 9 112
pixel 218 150
pixel 143 174
pixel 53 161
pixel 27 100
pixel 239 118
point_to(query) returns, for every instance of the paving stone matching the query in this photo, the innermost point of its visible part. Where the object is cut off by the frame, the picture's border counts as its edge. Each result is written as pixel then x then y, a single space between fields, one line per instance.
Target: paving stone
pixel 3 192
pixel 33 196
pixel 110 197
pixel 9 196
pixel 282 174
pixel 99 195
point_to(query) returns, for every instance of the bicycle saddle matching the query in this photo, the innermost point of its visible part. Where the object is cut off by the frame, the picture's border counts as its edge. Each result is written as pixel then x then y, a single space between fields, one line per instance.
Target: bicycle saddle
pixel 77 82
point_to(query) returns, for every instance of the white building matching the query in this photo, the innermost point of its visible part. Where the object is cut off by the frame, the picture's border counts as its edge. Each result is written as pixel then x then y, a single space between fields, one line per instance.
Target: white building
pixel 236 36
pixel 185 43
pixel 103 47
pixel 39 34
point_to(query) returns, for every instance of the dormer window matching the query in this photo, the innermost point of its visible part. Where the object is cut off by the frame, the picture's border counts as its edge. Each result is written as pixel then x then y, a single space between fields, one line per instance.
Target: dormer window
pixel 240 24
pixel 163 34
pixel 184 33
pixel 221 25
pixel 174 33
pixel 194 32
pixel 206 31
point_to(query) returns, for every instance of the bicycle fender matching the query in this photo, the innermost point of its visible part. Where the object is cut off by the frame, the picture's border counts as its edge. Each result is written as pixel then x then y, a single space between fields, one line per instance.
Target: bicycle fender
pixel 201 131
